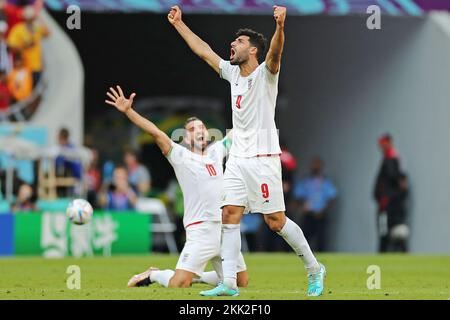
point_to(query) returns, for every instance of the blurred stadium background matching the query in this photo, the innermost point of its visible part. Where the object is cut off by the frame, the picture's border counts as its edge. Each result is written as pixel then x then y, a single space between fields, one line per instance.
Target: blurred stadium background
pixel 342 86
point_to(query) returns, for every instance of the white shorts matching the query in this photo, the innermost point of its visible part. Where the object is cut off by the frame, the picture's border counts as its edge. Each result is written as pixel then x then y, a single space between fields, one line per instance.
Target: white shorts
pixel 203 245
pixel 254 183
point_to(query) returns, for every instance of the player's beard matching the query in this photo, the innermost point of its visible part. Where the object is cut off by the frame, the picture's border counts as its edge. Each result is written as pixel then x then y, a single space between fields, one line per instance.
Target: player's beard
pixel 238 60
pixel 197 145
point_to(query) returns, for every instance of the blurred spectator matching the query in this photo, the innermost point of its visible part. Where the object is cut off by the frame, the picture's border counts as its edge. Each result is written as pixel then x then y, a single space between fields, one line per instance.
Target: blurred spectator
pixel 93 179
pixel 288 164
pixel 138 175
pixel 5 56
pixel 107 172
pixel 315 194
pixel 26 38
pixel 10 13
pixel 5 95
pixel 25 200
pixel 119 195
pixel 66 167
pixel 399 233
pixel 390 193
pixel 250 227
pixel 20 81
pixel 176 207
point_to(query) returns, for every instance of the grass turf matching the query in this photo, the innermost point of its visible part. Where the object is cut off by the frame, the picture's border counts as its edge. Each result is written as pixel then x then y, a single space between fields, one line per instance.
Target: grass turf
pixel 272 276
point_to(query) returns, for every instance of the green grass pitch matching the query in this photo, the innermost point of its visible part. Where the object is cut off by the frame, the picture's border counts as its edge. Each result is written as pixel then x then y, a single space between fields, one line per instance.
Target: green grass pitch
pixel 272 276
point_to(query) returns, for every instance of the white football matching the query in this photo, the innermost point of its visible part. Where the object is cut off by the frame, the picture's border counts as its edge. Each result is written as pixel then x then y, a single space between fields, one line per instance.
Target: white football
pixel 79 211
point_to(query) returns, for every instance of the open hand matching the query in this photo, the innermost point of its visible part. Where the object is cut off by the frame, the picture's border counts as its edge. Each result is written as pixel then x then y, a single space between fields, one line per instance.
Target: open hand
pixel 118 100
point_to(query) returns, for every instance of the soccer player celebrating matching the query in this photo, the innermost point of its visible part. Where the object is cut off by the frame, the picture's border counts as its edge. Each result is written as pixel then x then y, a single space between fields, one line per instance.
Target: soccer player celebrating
pixel 252 177
pixel 199 170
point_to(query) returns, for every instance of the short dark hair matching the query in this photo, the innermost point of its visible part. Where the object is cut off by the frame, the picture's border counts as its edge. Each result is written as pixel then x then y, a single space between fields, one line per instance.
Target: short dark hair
pixel 131 151
pixel 256 39
pixel 64 133
pixel 18 57
pixel 189 120
pixel 385 137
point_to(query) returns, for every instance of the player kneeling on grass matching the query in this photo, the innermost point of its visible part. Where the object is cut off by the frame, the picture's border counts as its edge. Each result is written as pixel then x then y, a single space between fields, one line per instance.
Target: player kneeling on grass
pixel 199 170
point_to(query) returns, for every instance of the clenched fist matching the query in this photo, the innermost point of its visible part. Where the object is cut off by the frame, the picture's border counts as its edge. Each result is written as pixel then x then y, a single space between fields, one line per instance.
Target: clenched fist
pixel 279 13
pixel 174 14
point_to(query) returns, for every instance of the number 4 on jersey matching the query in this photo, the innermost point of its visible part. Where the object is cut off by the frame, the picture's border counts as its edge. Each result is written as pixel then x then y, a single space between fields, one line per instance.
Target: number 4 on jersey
pixel 238 101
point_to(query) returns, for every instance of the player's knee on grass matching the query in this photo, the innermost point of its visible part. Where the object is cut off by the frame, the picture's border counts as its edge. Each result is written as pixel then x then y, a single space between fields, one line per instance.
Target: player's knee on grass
pixel 232 214
pixel 181 279
pixel 275 221
pixel 179 283
pixel 242 279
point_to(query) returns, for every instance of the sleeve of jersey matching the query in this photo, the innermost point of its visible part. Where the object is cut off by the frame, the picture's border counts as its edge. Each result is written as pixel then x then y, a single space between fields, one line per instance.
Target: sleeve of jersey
pixel 273 78
pixel 225 70
pixel 226 142
pixel 221 147
pixel 176 154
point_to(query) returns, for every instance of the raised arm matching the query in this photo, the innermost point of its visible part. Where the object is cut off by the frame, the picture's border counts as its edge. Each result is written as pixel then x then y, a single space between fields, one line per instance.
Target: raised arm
pixel 197 45
pixel 124 105
pixel 229 134
pixel 273 57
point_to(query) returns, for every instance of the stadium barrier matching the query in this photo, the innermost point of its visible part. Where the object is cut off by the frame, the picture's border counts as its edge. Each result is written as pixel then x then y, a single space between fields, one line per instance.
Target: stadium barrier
pixel 51 235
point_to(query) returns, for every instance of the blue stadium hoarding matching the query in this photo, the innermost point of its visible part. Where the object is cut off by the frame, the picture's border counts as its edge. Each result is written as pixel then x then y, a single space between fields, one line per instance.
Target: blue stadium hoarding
pixel 6 234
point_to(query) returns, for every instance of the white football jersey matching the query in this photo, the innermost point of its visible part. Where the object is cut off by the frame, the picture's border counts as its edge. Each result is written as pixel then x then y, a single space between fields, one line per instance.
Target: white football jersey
pixel 253 100
pixel 200 178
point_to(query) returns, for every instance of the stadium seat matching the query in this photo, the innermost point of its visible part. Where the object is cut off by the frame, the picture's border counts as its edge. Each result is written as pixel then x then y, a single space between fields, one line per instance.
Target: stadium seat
pixel 157 208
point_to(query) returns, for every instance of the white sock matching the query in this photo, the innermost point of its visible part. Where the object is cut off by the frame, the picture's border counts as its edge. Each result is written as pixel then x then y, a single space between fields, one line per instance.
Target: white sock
pixel 294 236
pixel 162 276
pixel 210 277
pixel 230 249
